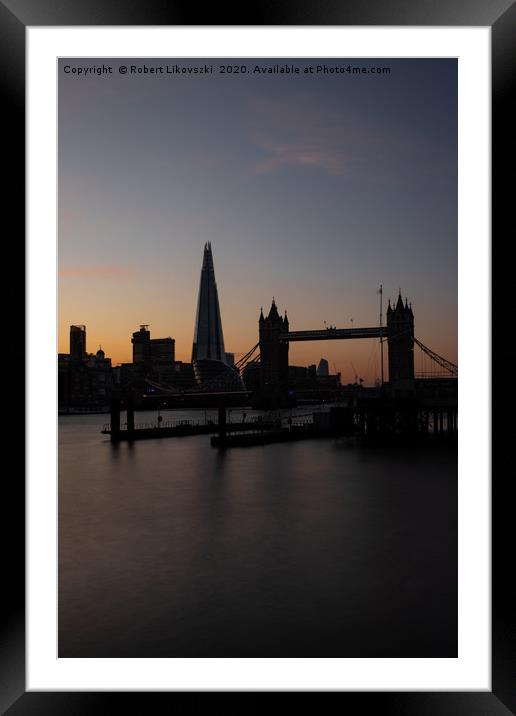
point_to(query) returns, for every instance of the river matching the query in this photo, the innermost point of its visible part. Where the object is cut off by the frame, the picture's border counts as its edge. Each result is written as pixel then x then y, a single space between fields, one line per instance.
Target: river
pixel 318 548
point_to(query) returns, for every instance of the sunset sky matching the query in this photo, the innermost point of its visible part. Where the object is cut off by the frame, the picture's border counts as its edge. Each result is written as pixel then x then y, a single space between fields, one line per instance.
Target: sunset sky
pixel 311 188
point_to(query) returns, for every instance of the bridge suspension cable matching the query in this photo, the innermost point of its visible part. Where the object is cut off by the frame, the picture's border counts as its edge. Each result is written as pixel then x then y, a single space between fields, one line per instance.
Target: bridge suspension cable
pixel 446 364
pixel 249 357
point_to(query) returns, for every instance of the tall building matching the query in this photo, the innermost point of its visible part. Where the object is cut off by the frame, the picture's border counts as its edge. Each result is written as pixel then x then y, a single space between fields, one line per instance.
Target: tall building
pixel 77 343
pixel 208 339
pixel 208 355
pixel 152 351
pixel 141 345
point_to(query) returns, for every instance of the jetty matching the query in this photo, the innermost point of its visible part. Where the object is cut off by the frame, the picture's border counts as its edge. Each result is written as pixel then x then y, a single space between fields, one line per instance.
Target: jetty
pixel 130 430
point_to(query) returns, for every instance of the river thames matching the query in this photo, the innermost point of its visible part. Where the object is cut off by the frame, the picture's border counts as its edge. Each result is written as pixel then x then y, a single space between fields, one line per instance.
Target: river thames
pixel 317 548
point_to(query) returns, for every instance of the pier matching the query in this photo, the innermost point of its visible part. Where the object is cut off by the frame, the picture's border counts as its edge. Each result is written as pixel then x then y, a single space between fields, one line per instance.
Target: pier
pixel 374 417
pixel 378 420
pixel 130 430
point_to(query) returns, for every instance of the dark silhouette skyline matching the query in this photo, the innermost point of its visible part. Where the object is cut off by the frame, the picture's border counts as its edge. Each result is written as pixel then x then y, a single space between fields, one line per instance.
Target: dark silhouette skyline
pixel 311 189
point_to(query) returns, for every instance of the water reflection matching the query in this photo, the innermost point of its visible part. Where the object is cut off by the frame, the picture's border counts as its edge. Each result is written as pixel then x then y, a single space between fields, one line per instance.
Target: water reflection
pixel 319 548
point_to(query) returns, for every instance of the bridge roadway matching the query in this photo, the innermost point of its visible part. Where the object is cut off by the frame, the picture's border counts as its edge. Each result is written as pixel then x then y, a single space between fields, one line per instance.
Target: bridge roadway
pixel 328 334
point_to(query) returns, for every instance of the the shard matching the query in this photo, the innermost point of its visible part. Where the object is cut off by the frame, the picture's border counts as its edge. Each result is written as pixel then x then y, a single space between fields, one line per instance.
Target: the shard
pixel 208 354
pixel 208 340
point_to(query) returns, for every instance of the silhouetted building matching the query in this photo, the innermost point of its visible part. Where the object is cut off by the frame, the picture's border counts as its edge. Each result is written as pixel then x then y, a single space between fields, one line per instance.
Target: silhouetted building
pixel 63 379
pixel 85 380
pixel 302 379
pixel 400 325
pixel 183 375
pixel 210 365
pixel 230 358
pixel 98 360
pixel 141 345
pixel 151 351
pixel 77 342
pixel 323 368
pixel 297 376
pixel 101 377
pixel 329 381
pixel 178 375
pixel 273 354
pixel 133 374
pixel 162 351
pixel 208 342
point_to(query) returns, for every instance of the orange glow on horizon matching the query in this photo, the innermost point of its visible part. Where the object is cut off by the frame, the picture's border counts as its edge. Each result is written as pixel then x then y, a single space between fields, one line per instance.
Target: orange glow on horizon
pixel 349 357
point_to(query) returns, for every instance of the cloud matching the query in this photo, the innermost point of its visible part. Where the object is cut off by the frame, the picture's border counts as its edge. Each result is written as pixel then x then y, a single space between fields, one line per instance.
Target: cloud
pixel 308 155
pixel 305 131
pixel 106 271
pixel 309 130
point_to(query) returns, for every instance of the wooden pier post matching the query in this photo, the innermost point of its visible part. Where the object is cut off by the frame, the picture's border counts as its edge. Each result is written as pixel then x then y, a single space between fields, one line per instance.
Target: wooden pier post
pixel 115 419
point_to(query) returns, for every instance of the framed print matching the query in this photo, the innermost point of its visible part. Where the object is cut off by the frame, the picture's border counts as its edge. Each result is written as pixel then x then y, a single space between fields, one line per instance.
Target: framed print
pixel 255 502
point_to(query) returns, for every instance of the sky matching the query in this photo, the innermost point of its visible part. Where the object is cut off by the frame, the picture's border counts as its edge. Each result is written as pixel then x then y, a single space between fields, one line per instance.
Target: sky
pixel 314 188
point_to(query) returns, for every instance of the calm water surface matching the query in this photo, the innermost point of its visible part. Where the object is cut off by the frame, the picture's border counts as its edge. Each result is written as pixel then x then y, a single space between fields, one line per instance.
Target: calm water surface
pixel 309 549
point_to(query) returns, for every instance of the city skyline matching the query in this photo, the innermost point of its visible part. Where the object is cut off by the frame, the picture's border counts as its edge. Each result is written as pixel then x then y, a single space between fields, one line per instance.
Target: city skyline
pixel 314 191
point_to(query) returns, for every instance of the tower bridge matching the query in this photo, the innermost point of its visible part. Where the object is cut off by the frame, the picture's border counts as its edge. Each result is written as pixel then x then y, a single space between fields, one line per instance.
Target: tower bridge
pixel 270 354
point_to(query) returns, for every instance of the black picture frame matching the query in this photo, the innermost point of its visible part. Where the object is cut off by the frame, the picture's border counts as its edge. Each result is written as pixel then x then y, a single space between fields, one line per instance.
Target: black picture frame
pixel 500 15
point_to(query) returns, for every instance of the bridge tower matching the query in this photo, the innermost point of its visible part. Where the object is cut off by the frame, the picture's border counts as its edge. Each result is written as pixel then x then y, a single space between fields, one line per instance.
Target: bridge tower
pixel 273 356
pixel 400 330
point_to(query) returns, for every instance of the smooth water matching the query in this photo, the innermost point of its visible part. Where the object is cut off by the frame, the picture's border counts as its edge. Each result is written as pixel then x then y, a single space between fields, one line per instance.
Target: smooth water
pixel 308 549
